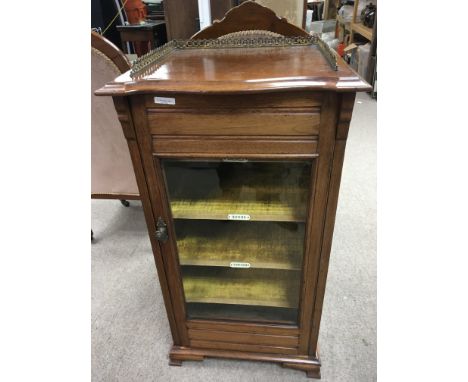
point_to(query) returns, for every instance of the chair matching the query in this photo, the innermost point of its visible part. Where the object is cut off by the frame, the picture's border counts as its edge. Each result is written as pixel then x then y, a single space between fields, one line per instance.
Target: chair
pixel 112 175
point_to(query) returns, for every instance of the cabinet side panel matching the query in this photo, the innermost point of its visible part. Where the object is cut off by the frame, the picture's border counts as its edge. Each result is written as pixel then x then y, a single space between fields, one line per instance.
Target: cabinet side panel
pixel 157 199
pixel 316 217
pixel 123 111
pixel 327 240
pixel 346 112
pixel 344 118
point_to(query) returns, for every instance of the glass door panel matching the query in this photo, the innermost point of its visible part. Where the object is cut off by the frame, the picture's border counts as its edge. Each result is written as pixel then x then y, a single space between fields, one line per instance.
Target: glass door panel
pixel 240 230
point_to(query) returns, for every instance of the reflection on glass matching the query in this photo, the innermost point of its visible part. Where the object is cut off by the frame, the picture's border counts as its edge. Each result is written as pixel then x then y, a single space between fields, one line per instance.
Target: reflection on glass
pixel 240 236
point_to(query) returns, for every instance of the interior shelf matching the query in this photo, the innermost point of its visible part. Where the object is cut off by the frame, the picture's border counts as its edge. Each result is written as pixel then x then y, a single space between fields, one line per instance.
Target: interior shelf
pixel 260 244
pixel 220 209
pixel 265 191
pixel 259 287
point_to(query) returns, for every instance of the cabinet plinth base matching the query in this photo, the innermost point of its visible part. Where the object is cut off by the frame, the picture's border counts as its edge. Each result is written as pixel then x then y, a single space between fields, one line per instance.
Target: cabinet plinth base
pixel 309 365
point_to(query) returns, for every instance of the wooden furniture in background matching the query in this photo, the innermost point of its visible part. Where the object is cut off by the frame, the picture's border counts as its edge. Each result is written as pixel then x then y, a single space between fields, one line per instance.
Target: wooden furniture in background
pixel 357 27
pixel 112 175
pixel 220 7
pixel 238 156
pixel 181 17
pixel 330 9
pixel 151 33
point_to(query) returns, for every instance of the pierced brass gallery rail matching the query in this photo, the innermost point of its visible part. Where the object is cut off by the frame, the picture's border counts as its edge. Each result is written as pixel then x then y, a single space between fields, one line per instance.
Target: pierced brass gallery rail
pixel 147 63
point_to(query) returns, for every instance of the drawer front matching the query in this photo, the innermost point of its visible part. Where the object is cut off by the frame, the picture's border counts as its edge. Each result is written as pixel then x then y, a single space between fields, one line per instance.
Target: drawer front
pixel 279 121
pixel 200 102
pixel 257 343
pixel 233 147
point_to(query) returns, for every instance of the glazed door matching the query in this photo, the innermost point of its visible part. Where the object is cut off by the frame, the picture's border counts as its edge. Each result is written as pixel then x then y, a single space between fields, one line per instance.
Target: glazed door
pixel 240 235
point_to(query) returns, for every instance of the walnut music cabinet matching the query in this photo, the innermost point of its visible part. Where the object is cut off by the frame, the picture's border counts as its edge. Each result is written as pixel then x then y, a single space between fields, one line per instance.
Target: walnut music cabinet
pixel 237 145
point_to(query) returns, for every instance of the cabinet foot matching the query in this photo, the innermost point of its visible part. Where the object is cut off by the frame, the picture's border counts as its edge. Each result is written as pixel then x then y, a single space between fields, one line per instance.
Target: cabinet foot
pixel 175 362
pixel 178 355
pixel 312 371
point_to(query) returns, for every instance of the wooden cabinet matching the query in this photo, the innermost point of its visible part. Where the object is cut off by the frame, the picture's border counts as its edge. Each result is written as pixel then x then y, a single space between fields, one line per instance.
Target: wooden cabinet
pixel 238 146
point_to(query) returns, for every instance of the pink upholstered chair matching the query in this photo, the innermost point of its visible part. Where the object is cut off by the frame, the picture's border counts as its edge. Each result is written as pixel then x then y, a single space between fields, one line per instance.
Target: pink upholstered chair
pixel 112 175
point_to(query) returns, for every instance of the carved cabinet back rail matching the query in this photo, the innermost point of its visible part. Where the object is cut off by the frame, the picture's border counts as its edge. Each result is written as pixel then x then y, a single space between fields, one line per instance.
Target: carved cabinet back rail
pixel 238 146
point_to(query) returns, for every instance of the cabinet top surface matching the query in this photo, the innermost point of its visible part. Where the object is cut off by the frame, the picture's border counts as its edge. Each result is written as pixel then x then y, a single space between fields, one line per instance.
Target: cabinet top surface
pixel 238 70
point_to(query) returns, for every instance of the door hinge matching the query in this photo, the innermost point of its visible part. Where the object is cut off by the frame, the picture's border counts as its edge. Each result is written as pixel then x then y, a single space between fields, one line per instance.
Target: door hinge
pixel 161 231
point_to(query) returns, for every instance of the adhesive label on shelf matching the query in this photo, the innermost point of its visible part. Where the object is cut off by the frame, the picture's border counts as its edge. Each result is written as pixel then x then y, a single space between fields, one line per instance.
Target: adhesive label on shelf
pixel 236 264
pixel 164 100
pixel 238 217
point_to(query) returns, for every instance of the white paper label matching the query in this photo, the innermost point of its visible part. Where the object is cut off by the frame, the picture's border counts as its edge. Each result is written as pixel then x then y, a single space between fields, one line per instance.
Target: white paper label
pixel 238 217
pixel 164 100
pixel 236 264
pixel 235 160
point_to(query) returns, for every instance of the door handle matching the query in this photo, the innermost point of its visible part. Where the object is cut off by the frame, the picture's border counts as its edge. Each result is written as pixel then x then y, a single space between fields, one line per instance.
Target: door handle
pixel 161 230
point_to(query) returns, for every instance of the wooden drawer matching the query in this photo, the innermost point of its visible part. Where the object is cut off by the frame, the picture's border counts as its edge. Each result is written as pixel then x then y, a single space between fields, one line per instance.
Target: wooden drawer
pixel 249 101
pixel 244 327
pixel 251 342
pixel 244 338
pixel 234 122
pixel 279 114
pixel 233 147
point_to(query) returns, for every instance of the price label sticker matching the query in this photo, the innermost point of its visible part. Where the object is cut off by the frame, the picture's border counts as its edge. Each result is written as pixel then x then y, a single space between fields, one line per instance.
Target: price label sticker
pixel 236 264
pixel 238 217
pixel 164 100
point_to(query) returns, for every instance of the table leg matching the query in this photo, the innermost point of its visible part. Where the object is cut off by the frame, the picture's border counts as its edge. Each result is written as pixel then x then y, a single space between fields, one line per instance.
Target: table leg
pixel 124 46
